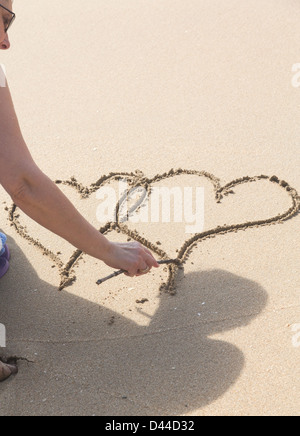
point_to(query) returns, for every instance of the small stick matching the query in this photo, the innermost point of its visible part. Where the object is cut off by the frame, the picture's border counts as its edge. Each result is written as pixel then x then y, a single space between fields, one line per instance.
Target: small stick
pixel 117 273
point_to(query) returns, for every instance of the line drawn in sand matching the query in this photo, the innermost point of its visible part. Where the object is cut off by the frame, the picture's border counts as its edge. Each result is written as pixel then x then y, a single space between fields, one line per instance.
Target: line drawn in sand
pixel 138 179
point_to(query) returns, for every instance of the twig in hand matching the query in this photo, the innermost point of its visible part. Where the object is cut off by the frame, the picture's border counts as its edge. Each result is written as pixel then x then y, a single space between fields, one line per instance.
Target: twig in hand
pixel 118 273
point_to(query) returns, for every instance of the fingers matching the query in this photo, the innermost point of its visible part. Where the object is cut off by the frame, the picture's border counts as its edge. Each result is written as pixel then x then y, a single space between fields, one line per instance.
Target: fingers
pixel 143 271
pixel 155 264
pixel 144 264
pixel 140 271
pixel 148 263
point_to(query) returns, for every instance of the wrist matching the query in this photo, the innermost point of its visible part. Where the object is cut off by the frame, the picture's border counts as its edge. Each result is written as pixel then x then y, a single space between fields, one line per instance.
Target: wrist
pixel 105 250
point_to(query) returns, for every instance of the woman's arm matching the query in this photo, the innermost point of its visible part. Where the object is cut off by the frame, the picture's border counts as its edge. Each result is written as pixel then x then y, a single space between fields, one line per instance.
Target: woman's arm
pixel 35 194
pixel 43 201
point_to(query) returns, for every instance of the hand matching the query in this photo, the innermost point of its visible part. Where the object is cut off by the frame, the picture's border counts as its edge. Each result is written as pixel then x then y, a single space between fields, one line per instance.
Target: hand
pixel 131 257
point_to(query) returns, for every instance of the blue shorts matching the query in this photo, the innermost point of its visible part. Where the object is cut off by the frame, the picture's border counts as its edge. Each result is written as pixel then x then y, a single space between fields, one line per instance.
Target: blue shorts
pixel 2 243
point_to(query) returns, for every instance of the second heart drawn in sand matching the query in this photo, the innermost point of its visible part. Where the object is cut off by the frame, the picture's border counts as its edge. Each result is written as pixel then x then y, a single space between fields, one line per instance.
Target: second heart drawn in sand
pixel 136 180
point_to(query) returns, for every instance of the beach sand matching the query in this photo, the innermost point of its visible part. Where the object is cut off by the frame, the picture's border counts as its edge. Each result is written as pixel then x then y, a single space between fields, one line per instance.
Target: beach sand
pixel 173 94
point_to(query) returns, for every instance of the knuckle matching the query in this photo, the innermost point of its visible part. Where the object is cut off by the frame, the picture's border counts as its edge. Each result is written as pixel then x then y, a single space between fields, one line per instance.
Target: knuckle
pixel 140 250
pixel 138 261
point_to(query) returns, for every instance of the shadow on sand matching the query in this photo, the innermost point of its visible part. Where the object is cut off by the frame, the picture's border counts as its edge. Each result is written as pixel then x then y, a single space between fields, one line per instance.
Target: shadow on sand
pixel 82 366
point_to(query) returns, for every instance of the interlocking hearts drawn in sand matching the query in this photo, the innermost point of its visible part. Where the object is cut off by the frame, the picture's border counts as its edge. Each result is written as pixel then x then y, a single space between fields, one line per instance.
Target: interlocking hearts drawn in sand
pixel 138 179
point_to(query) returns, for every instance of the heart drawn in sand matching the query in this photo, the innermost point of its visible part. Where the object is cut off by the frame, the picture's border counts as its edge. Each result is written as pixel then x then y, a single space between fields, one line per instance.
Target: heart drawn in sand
pixel 138 179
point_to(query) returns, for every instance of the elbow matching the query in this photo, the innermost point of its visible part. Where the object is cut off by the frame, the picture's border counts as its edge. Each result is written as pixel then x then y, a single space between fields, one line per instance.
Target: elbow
pixel 20 192
pixel 21 180
pixel 27 188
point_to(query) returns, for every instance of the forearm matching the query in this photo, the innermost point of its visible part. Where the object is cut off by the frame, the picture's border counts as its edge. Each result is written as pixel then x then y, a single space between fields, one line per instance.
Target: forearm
pixel 43 201
pixel 35 193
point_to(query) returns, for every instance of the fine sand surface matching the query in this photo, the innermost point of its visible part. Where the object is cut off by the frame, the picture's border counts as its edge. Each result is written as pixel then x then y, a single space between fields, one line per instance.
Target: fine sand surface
pixel 177 93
